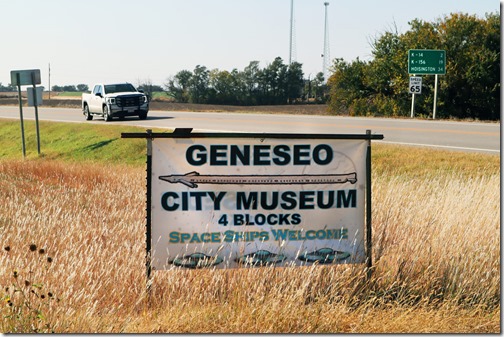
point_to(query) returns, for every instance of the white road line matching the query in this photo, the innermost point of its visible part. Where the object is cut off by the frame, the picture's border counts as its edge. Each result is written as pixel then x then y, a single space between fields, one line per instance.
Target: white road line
pixel 387 142
pixel 441 146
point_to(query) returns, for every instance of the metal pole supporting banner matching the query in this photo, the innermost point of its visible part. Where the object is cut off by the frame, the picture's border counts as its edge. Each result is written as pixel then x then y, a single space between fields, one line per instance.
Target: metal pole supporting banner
pixel 21 114
pixel 148 208
pixel 369 246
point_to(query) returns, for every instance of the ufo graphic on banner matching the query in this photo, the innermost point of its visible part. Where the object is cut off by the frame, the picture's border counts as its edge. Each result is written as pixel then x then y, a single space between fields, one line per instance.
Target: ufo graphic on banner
pixel 324 256
pixel 197 260
pixel 260 258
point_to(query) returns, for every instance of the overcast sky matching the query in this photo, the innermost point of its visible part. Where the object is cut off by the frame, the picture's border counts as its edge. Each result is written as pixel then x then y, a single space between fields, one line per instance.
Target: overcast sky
pixel 150 40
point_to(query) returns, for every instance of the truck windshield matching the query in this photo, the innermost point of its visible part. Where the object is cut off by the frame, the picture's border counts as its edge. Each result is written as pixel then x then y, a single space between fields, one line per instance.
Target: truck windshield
pixel 112 88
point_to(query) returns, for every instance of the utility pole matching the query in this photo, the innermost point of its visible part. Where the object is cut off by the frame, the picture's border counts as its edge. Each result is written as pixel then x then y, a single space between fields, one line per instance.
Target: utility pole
pixel 49 80
pixel 325 55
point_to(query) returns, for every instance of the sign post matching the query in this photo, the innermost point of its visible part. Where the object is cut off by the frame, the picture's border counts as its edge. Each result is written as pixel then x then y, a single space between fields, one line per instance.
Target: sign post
pixel 435 97
pixel 35 104
pixel 415 87
pixel 27 77
pixel 18 80
pixel 427 62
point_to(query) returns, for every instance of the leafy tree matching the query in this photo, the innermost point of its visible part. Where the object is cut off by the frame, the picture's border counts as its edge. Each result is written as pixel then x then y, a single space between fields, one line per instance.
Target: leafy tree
pixel 295 81
pixel 226 87
pixel 315 88
pixel 148 88
pixel 276 76
pixel 8 88
pixel 69 88
pixel 82 87
pixel 470 88
pixel 472 82
pixel 321 89
pixel 198 85
pixel 348 91
pixel 178 86
pixel 250 80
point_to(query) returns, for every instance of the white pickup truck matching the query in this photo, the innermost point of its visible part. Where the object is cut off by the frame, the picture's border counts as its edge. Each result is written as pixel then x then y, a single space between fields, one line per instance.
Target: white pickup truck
pixel 115 100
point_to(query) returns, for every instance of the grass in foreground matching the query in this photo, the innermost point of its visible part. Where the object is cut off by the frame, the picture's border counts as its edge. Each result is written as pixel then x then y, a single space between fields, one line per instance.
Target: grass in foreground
pixel 436 250
pixel 73 142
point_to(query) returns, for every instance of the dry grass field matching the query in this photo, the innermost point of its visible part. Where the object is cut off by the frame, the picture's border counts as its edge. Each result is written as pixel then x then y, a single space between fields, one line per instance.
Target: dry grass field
pixel 436 252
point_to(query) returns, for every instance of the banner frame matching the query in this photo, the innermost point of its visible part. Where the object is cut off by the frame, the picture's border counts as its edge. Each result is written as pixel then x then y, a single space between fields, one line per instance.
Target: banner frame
pixel 187 133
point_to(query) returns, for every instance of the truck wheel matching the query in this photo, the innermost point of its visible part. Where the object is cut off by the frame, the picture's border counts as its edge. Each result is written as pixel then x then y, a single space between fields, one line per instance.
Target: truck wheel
pixel 142 115
pixel 87 114
pixel 106 115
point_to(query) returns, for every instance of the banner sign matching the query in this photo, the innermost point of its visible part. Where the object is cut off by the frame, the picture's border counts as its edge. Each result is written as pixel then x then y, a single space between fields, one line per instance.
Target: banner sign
pixel 226 202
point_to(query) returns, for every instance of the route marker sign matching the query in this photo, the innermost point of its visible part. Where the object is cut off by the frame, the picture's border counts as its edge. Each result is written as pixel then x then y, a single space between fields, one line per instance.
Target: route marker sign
pixel 426 62
pixel 415 85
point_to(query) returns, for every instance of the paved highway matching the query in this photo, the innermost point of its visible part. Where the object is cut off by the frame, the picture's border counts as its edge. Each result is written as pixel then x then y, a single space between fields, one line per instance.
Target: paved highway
pixel 459 136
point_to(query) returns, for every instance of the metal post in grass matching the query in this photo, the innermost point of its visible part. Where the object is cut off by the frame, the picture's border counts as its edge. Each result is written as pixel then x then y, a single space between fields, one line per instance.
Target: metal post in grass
pixel 35 103
pixel 435 97
pixel 369 263
pixel 21 114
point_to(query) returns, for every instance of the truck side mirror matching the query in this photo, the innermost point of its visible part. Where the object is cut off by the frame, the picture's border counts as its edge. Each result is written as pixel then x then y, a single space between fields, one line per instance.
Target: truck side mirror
pixel 98 94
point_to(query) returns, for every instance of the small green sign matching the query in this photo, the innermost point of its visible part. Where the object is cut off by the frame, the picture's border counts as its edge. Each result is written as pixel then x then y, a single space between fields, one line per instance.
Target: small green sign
pixel 25 77
pixel 426 62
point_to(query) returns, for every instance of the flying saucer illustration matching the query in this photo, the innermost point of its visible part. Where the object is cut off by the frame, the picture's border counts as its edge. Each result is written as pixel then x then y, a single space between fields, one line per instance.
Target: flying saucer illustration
pixel 197 260
pixel 324 256
pixel 260 258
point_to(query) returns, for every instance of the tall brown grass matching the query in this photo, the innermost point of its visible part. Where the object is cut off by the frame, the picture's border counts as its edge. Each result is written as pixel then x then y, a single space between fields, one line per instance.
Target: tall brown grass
pixel 436 251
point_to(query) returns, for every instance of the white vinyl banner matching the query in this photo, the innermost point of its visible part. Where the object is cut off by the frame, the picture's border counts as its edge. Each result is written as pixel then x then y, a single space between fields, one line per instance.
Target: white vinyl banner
pixel 237 201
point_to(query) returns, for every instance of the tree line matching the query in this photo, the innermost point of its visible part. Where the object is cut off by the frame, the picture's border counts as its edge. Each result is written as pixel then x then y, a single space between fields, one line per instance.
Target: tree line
pixel 277 83
pixel 470 88
pixel 55 88
pixel 70 88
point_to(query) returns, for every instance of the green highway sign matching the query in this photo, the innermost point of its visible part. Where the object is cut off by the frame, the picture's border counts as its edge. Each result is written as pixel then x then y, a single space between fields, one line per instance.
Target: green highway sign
pixel 25 77
pixel 426 62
